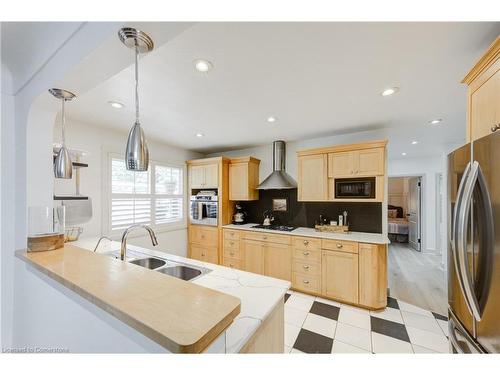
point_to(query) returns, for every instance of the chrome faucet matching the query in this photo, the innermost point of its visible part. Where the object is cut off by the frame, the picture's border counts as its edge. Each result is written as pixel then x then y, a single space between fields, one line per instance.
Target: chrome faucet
pixel 100 239
pixel 123 249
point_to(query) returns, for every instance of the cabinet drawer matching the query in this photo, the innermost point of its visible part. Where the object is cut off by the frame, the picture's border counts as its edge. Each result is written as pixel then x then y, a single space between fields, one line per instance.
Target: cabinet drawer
pixel 307 255
pixel 306 283
pixel 338 245
pixel 306 243
pixel 307 268
pixel 231 234
pixel 203 235
pixel 233 263
pixel 204 253
pixel 232 249
pixel 266 237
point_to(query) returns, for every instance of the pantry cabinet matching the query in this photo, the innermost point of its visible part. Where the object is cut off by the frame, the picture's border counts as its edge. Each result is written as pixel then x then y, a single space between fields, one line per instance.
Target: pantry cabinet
pixel 483 94
pixel 244 179
pixel 204 176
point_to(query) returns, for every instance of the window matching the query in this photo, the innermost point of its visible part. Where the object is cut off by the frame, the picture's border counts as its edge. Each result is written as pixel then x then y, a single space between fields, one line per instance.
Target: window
pixel 154 197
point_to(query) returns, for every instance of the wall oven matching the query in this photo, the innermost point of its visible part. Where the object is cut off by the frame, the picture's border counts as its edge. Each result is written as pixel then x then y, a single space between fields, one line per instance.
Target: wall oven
pixel 203 208
pixel 355 188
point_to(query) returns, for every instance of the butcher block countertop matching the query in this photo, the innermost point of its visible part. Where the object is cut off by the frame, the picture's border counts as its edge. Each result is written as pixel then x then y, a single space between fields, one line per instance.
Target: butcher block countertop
pixel 181 316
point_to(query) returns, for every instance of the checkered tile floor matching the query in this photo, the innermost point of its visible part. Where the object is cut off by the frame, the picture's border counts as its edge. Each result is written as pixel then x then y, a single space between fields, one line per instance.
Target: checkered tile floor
pixel 317 325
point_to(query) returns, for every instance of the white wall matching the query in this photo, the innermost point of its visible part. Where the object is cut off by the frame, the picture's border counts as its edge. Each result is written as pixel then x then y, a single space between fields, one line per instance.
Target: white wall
pixel 99 142
pixel 428 168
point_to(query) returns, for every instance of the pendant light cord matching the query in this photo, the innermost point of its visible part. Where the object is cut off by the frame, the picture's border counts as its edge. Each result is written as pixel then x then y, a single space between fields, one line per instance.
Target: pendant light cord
pixel 136 83
pixel 63 123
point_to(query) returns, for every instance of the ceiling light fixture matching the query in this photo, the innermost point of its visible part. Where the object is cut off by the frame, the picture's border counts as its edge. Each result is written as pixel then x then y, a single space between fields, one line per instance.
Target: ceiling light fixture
pixel 414 142
pixel 116 105
pixel 136 153
pixel 403 153
pixel 63 166
pixel 271 119
pixel 435 121
pixel 199 135
pixel 390 91
pixel 203 66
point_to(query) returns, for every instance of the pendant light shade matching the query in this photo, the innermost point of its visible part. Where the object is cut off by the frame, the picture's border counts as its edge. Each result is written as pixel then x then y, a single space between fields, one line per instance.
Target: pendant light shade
pixel 63 165
pixel 137 153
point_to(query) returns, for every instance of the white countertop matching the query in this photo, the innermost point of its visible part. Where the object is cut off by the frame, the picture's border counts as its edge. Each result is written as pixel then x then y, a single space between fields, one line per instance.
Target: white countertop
pixel 374 238
pixel 259 294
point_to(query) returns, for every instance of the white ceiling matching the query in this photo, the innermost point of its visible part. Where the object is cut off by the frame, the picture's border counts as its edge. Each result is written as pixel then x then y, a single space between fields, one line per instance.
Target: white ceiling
pixel 317 78
pixel 26 46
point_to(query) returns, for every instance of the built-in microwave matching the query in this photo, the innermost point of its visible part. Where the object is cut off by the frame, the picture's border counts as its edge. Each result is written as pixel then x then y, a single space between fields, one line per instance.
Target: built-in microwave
pixel 203 208
pixel 355 188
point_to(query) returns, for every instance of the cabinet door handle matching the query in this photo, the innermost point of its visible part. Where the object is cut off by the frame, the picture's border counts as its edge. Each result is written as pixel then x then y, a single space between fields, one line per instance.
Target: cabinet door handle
pixel 231 243
pixel 305 281
pixel 340 246
pixel 306 267
pixel 265 237
pixel 352 172
pixel 202 236
pixel 306 253
pixel 231 253
pixel 306 242
pixel 494 128
pixel 202 254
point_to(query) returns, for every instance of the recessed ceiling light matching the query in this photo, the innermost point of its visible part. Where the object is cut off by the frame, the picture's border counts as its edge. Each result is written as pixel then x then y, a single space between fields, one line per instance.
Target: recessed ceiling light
pixel 403 153
pixel 199 135
pixel 271 119
pixel 116 105
pixel 203 65
pixel 414 142
pixel 435 121
pixel 389 91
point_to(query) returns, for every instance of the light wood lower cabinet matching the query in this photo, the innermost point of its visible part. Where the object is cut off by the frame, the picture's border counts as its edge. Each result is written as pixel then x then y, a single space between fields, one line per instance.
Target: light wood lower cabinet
pixel 253 256
pixel 278 261
pixel 204 243
pixel 372 275
pixel 204 253
pixel 340 275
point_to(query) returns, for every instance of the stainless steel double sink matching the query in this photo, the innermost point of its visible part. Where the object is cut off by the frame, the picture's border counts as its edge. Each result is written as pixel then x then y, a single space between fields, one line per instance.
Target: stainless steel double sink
pixel 163 265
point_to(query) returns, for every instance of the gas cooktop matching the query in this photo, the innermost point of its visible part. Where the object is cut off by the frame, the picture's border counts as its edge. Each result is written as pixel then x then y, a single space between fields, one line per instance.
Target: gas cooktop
pixel 283 228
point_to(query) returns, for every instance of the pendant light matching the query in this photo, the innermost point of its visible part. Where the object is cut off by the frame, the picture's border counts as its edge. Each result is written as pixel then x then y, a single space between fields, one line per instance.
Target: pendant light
pixel 63 166
pixel 137 153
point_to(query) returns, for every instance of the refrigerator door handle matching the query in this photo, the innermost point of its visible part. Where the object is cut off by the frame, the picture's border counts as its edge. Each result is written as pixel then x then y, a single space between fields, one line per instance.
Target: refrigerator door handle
pixel 454 228
pixel 461 245
pixel 453 338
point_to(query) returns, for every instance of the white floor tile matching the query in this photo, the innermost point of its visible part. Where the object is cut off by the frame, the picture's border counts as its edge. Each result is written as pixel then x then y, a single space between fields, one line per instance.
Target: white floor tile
pixel 328 301
pixel 303 295
pixel 320 324
pixel 295 351
pixel 386 344
pixel 436 342
pixel 342 347
pixel 421 350
pixel 443 325
pixel 421 322
pixel 355 336
pixel 359 310
pixel 294 316
pixel 291 333
pixel 414 309
pixel 354 318
pixel 300 303
pixel 388 313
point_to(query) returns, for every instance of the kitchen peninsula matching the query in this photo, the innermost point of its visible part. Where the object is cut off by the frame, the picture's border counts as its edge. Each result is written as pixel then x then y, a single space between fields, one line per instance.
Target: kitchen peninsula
pixel 221 311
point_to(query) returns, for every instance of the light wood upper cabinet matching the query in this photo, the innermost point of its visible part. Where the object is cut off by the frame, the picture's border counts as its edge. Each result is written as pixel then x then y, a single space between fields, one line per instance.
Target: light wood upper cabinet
pixel 313 178
pixel 483 95
pixel 204 176
pixel 244 179
pixel 253 256
pixel 340 275
pixel 341 164
pixel 278 261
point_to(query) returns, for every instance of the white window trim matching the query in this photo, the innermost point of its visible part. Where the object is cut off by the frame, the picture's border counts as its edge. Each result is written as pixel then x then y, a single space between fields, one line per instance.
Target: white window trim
pixel 107 201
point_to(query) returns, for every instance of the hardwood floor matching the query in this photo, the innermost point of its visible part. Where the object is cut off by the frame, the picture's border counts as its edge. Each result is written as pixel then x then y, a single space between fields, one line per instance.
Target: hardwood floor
pixel 417 278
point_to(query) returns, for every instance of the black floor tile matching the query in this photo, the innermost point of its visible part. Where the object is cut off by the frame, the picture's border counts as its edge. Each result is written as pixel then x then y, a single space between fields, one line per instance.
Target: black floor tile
pixel 392 302
pixel 388 328
pixel 287 295
pixel 328 311
pixel 310 342
pixel 439 316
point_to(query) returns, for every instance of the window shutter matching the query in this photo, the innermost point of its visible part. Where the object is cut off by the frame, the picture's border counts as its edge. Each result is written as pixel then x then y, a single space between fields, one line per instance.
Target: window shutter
pixel 128 211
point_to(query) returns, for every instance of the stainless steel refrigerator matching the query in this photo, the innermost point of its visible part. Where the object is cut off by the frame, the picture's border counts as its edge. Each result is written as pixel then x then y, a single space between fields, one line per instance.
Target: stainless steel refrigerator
pixel 474 246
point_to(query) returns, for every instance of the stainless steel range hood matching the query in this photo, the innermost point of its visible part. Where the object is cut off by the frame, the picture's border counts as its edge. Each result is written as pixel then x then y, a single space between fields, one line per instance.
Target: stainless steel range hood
pixel 278 179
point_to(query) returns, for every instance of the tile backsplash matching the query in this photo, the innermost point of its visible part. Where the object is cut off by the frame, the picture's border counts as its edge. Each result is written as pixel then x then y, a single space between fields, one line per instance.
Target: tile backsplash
pixel 362 216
